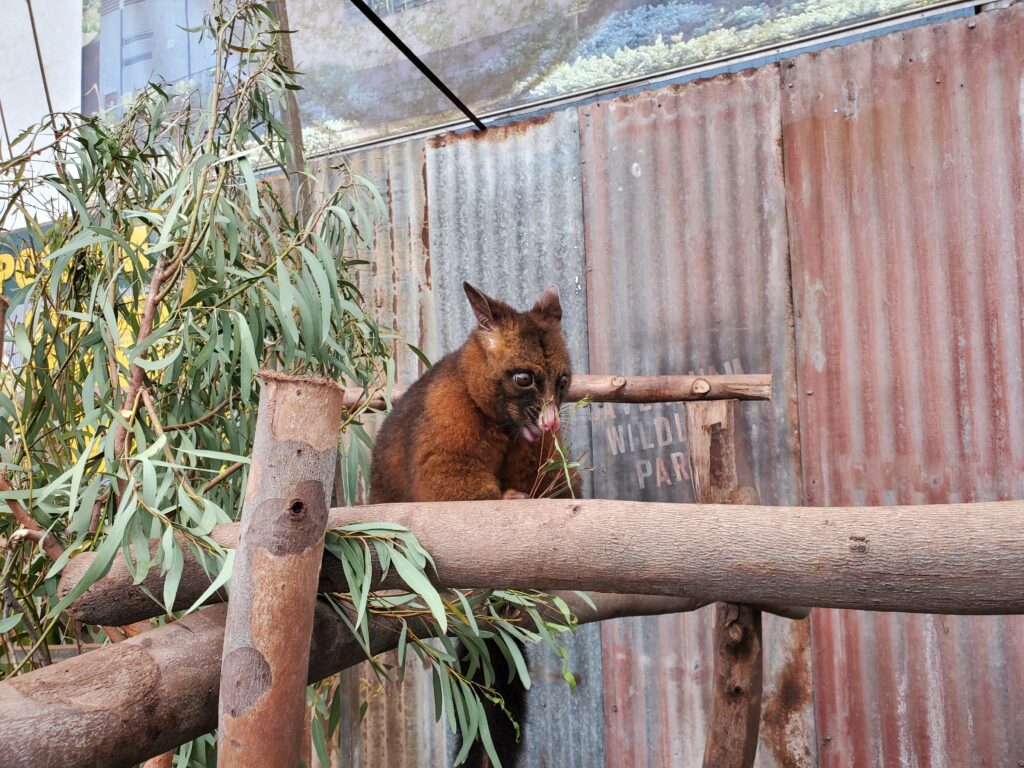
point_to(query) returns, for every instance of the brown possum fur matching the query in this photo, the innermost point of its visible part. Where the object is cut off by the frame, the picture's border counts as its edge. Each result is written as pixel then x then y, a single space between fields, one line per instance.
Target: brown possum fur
pixel 468 429
pixel 463 430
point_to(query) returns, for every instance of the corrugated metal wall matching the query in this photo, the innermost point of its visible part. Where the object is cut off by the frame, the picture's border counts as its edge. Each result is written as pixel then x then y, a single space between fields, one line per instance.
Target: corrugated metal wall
pixel 398 728
pixel 685 217
pixel 460 209
pixel 905 179
pixel 505 214
pixel 887 178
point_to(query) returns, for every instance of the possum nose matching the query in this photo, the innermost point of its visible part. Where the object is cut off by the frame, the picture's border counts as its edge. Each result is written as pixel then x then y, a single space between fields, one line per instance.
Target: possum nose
pixel 548 420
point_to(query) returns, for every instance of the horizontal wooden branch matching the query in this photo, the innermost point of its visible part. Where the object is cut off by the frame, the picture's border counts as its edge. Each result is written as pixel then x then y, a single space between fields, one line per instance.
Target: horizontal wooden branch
pixel 125 703
pixel 944 558
pixel 603 388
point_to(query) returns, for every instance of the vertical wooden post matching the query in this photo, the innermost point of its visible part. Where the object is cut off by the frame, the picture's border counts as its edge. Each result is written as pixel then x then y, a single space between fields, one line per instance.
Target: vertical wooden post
pixel 295 163
pixel 277 565
pixel 721 475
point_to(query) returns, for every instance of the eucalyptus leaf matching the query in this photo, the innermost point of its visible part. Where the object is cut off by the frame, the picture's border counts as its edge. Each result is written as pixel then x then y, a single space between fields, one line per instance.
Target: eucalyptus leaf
pixel 130 443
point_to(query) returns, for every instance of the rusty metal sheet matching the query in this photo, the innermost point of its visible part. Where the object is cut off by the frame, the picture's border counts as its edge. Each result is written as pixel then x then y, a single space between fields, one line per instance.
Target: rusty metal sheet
pixel 504 212
pixel 684 204
pixel 398 280
pixel 506 215
pixel 904 162
pixel 398 728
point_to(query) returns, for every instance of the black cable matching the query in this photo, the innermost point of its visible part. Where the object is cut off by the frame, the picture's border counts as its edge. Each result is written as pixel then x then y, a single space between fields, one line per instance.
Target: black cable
pixel 397 41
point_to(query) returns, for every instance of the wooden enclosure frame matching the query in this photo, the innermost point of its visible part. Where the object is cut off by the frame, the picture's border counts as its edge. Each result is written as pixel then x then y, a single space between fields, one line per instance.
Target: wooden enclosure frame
pixel 971 564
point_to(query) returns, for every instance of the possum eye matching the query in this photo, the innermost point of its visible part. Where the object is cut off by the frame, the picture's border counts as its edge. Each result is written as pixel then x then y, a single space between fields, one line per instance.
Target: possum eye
pixel 523 379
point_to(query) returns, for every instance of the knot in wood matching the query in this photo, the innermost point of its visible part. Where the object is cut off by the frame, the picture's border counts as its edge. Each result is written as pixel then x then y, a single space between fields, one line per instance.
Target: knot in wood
pixel 297 508
pixel 700 387
pixel 734 634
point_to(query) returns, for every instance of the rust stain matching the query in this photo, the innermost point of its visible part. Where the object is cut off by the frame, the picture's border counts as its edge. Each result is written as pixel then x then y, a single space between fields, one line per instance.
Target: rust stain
pixel 685 224
pixel 390 210
pixel 493 135
pixel 425 229
pixel 781 717
pixel 393 256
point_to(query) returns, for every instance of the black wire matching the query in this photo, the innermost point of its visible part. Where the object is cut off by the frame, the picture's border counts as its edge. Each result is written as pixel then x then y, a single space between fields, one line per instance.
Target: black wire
pixel 397 41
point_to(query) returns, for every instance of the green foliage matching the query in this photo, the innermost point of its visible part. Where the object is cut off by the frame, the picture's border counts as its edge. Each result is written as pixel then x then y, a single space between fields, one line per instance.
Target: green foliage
pixel 432 625
pixel 166 271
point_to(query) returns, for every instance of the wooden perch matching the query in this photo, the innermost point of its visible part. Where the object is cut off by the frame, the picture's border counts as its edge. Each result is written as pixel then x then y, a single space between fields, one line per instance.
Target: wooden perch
pixel 124 703
pixel 942 558
pixel 721 474
pixel 277 566
pixel 601 388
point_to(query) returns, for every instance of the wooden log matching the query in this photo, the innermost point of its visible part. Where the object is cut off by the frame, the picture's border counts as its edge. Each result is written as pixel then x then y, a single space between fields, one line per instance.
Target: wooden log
pixel 670 389
pixel 109 599
pixel 277 567
pixel 941 558
pixel 604 388
pixel 736 687
pixel 721 475
pixel 122 704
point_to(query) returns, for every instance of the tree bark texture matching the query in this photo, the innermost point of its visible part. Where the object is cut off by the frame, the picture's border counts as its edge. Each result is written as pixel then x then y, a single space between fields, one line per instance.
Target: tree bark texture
pixel 277 567
pixel 736 688
pixel 122 704
pixel 301 194
pixel 604 388
pixel 940 558
pixel 721 474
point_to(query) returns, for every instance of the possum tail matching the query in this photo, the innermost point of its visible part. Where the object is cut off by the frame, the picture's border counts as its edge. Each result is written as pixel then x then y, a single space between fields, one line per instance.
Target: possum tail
pixel 503 732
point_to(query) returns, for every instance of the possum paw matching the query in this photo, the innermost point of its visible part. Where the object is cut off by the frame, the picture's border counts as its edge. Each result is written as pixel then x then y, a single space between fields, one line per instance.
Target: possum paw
pixel 511 494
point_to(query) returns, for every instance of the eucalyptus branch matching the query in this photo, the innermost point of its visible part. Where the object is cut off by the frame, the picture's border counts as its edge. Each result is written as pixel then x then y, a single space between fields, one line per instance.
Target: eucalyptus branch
pixel 222 476
pixel 196 422
pixel 50 545
pixel 165 278
pixel 136 373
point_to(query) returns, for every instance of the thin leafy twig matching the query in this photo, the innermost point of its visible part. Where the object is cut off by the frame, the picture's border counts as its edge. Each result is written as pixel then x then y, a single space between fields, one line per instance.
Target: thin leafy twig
pixel 136 372
pixel 201 420
pixel 221 476
pixel 50 545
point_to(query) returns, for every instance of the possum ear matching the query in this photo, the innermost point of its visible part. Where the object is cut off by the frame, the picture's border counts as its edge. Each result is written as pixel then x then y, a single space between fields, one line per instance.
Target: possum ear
pixel 549 305
pixel 486 309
